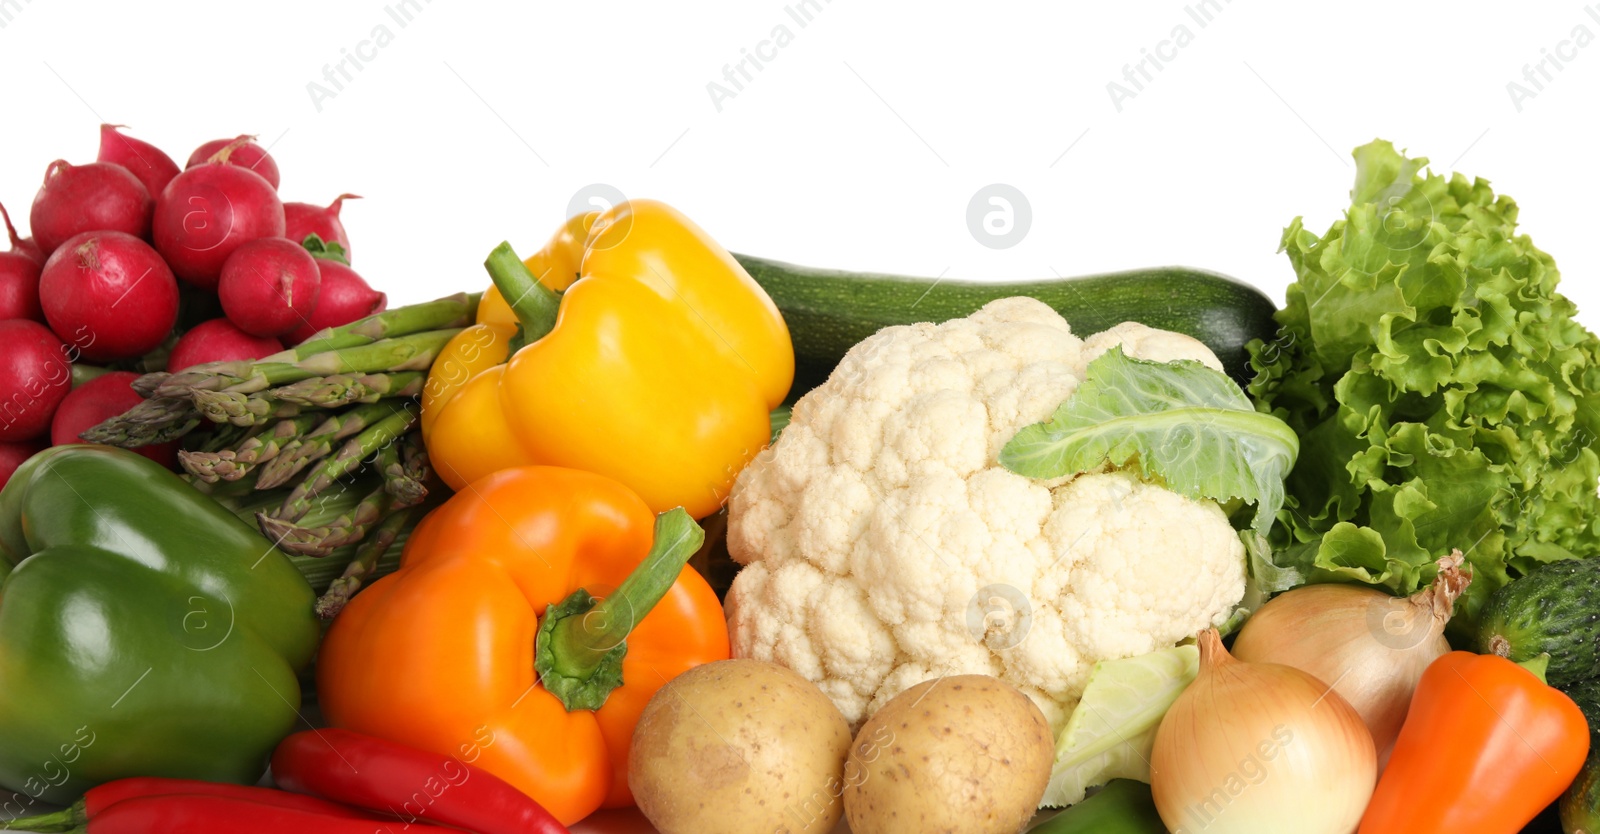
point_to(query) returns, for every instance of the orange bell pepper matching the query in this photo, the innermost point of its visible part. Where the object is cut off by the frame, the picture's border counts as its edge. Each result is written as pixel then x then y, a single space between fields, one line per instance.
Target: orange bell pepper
pixel 638 348
pixel 487 643
pixel 1486 746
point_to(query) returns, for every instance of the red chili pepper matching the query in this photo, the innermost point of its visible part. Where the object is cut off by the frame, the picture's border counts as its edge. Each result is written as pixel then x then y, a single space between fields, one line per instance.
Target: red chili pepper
pixel 176 814
pixel 384 776
pixel 101 797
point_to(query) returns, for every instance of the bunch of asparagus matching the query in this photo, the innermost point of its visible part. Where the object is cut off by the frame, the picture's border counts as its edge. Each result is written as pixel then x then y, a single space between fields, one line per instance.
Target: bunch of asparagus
pixel 306 428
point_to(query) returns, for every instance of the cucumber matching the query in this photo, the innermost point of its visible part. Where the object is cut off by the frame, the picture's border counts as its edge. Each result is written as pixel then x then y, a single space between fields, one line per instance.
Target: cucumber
pixel 829 311
pixel 1586 694
pixel 1555 608
pixel 1580 804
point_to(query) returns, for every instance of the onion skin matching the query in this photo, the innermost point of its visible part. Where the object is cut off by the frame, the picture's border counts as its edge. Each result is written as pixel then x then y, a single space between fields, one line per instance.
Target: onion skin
pixel 1260 748
pixel 1371 646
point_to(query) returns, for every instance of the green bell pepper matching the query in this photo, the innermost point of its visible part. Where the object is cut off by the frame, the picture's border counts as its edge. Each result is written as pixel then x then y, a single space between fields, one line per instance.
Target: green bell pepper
pixel 144 630
pixel 1123 806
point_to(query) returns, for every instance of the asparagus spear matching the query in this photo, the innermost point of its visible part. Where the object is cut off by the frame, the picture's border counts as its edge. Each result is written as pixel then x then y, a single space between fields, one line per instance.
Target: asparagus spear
pixel 383 433
pixel 343 389
pixel 319 541
pixel 146 385
pixel 378 542
pixel 414 352
pixel 403 480
pixel 452 311
pixel 397 492
pixel 243 409
pixel 316 444
pixel 233 464
pixel 152 421
pixel 219 437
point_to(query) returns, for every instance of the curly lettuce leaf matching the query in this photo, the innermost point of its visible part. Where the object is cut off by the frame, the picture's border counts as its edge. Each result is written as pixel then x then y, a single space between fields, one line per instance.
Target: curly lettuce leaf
pixel 1181 422
pixel 1444 396
pixel 1113 729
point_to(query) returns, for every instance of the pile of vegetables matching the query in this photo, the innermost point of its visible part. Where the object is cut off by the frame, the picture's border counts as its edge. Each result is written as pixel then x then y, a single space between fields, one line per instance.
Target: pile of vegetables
pixel 135 267
pixel 755 547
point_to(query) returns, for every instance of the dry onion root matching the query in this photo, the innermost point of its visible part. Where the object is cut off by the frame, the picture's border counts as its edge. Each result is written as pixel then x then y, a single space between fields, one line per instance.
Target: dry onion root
pixel 1370 646
pixel 1260 748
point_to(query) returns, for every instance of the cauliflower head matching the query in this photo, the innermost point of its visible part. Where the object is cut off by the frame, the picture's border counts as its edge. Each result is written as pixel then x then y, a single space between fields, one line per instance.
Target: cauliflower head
pixel 883 544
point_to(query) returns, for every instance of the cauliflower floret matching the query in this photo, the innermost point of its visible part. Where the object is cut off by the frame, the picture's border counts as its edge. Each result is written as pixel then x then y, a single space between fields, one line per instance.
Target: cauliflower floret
pixel 883 544
pixel 1143 342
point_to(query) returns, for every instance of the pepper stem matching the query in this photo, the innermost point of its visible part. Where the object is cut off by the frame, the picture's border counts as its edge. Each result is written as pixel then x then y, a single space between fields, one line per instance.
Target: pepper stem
pixel 535 304
pixel 66 819
pixel 1537 665
pixel 581 643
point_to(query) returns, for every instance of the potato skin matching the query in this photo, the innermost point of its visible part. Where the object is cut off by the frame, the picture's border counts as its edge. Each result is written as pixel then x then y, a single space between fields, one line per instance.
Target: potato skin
pixel 739 747
pixel 967 754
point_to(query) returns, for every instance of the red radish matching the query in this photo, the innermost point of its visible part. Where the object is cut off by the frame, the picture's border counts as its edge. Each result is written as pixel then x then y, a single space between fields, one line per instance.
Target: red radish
pixel 19 280
pixel 96 197
pixel 302 219
pixel 218 340
pixel 13 455
pixel 22 245
pixel 146 161
pixel 98 400
pixel 344 297
pixel 246 154
pixel 210 210
pixel 34 377
pixel 109 295
pixel 269 286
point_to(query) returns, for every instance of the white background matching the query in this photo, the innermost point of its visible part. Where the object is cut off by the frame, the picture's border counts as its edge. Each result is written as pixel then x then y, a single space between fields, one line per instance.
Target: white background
pixel 859 145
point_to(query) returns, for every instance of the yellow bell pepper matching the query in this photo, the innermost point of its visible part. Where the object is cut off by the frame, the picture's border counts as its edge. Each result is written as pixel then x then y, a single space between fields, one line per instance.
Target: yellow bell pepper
pixel 649 356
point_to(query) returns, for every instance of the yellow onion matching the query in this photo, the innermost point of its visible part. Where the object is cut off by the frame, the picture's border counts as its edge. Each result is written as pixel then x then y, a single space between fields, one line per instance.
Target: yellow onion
pixel 1372 647
pixel 1260 748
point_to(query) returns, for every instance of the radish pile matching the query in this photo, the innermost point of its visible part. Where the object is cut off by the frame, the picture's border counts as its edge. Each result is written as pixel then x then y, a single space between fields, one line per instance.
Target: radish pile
pixel 135 265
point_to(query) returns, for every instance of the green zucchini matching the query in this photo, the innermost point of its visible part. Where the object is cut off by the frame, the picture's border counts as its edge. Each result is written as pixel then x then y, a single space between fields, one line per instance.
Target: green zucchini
pixel 1554 609
pixel 829 311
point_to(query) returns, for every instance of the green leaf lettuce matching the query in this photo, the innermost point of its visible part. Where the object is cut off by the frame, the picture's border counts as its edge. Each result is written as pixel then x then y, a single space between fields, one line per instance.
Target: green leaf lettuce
pixel 1443 394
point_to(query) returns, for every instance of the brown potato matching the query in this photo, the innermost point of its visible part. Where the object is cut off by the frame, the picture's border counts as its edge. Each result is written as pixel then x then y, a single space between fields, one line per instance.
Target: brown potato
pixel 967 754
pixel 739 747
